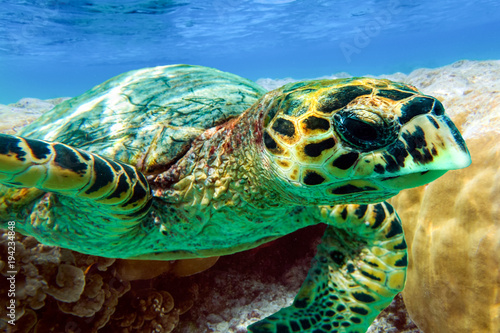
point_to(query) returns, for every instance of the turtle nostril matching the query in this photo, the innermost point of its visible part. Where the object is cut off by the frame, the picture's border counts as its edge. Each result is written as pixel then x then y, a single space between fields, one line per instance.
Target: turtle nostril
pixel 360 129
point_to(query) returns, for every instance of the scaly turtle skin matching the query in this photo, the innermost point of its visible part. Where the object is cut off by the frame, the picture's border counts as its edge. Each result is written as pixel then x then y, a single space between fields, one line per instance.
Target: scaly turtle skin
pixel 186 161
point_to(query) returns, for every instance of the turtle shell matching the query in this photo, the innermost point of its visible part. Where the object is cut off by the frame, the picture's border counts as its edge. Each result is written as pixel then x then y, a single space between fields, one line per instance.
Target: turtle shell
pixel 148 117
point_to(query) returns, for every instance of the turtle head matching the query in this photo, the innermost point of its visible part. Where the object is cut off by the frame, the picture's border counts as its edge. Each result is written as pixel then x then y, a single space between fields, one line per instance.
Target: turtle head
pixel 356 140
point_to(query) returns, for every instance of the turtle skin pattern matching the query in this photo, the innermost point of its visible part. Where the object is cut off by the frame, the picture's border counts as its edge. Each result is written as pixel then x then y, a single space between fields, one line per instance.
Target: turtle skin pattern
pixel 325 151
pixel 348 285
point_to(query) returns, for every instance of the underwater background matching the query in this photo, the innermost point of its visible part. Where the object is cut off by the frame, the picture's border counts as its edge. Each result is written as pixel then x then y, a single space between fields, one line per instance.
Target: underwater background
pixel 50 50
pixel 53 48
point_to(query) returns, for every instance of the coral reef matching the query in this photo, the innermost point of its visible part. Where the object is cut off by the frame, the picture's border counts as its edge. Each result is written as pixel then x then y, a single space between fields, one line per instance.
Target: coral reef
pixel 149 269
pixel 452 225
pixel 394 319
pixel 146 310
pixel 58 290
pixel 17 115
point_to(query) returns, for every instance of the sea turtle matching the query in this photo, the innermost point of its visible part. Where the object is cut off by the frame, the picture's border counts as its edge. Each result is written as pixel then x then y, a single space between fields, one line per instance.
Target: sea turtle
pixel 186 161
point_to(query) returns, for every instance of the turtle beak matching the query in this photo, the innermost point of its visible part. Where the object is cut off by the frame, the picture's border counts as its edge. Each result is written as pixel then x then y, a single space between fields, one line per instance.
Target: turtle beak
pixel 428 146
pixel 442 147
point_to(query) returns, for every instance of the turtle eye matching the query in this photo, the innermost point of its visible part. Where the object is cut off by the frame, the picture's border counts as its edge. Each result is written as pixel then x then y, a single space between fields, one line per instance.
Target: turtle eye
pixel 365 130
pixel 360 130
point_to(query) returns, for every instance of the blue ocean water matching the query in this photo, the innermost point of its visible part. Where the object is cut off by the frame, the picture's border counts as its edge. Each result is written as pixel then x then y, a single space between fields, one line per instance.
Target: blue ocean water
pixel 54 48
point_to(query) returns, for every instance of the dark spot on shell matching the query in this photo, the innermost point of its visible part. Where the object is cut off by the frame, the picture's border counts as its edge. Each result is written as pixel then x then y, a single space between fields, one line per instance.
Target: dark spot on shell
pixel 395 229
pixel 370 276
pixel 395 95
pixel 85 155
pixel 373 264
pixel 379 215
pixel 300 303
pixel 398 152
pixel 390 163
pixel 122 187
pixel 348 189
pixel 438 108
pixel 114 165
pixel 313 178
pixel 130 171
pixel 315 149
pixel 433 122
pixel 330 313
pixel 67 158
pixel 389 208
pixel 103 175
pixel 281 328
pixel 459 140
pixel 359 310
pixel 416 144
pixel 363 297
pixel 138 194
pixel 343 214
pixel 345 161
pixel 38 148
pixel 313 123
pixel 269 141
pixel 361 211
pixel 379 168
pixel 10 144
pixel 304 323
pixel 295 326
pixel 284 127
pixel 341 97
pixel 401 246
pixel 142 179
pixel 415 107
pixel 403 262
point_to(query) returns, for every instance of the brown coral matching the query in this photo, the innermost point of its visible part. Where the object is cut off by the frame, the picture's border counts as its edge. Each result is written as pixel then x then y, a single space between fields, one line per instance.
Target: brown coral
pixel 452 225
pixel 147 310
pixel 58 290
pixel 69 285
pixel 132 270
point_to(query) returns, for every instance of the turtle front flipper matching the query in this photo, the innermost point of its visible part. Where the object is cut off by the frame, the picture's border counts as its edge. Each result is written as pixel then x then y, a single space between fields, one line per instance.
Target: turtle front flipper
pixel 359 267
pixel 115 188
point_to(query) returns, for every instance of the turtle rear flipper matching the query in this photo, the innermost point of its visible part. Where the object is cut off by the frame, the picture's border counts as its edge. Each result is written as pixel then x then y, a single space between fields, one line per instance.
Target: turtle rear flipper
pixel 359 267
pixel 116 188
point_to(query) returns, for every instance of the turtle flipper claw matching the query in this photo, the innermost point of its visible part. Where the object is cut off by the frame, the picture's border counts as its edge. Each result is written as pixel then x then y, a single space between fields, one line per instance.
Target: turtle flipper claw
pixel 359 267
